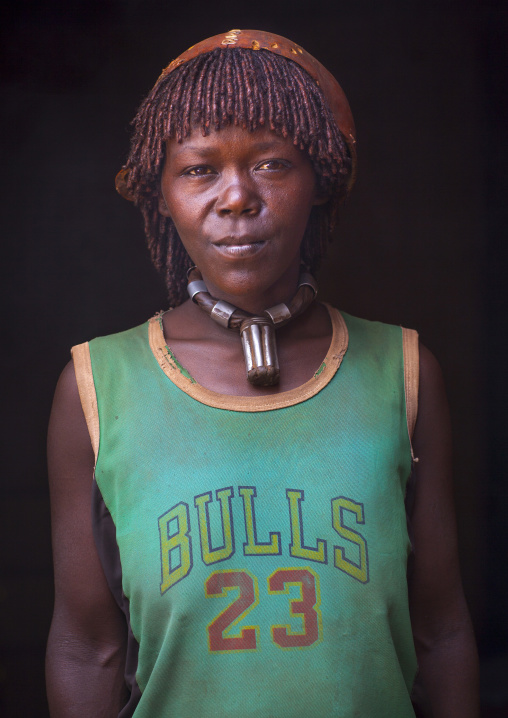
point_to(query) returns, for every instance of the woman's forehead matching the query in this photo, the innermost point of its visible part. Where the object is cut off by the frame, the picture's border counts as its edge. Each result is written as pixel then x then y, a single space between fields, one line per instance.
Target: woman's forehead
pixel 230 138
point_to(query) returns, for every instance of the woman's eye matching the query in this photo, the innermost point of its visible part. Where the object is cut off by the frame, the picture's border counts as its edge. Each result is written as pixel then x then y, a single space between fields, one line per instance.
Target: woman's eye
pixel 199 171
pixel 272 165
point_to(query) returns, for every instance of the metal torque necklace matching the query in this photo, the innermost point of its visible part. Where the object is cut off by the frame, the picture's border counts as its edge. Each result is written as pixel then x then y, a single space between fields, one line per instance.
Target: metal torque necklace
pixel 257 333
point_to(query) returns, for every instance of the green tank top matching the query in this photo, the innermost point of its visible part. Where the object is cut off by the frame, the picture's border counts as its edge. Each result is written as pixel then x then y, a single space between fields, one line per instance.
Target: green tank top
pixel 258 546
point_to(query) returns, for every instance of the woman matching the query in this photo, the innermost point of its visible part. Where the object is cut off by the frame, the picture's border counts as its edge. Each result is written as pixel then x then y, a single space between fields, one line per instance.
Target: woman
pixel 247 550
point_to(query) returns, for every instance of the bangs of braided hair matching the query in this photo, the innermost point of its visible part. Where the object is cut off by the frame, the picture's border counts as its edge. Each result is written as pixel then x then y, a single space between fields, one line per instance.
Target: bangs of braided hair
pixel 246 88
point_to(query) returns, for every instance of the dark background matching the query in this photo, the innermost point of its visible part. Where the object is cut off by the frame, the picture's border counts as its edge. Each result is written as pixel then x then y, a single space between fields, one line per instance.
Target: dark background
pixel 421 243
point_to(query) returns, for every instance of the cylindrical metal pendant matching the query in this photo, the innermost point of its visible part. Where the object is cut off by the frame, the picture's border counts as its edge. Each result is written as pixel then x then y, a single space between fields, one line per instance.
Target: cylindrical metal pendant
pixel 260 351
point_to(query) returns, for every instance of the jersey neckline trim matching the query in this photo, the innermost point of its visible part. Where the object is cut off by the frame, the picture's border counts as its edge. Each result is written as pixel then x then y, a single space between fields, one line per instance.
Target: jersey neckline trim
pixel 184 381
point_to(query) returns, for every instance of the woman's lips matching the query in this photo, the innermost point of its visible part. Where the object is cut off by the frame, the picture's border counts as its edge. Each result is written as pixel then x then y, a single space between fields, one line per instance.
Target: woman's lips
pixel 239 247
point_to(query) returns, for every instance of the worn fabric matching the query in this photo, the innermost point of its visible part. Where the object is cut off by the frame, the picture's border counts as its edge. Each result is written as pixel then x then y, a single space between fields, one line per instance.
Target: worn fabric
pixel 259 551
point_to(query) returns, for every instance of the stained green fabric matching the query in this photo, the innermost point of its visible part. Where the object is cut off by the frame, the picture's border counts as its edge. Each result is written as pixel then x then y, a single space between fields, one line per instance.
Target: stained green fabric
pixel 263 554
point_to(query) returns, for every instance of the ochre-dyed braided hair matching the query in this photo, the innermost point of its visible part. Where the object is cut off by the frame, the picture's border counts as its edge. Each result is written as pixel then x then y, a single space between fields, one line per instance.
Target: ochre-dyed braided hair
pixel 249 89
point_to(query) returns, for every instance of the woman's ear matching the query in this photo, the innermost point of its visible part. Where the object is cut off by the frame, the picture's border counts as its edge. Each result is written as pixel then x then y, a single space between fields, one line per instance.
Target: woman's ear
pixel 163 207
pixel 320 198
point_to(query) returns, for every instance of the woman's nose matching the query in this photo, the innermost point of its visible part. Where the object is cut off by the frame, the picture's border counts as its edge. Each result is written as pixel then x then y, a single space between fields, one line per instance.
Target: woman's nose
pixel 238 197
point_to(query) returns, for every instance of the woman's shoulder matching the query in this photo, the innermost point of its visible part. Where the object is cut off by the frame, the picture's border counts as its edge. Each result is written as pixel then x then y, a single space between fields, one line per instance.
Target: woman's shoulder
pixel 367 335
pixel 122 337
pixel 105 357
pixel 368 325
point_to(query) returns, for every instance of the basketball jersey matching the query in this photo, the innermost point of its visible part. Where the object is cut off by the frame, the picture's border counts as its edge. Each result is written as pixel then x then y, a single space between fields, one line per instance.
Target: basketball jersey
pixel 257 545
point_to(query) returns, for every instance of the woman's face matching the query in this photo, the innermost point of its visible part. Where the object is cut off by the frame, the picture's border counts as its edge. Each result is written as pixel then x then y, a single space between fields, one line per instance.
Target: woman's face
pixel 240 202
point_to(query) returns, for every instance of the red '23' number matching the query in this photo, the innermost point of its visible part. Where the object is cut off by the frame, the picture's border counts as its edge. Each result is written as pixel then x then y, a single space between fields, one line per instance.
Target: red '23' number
pixel 306 607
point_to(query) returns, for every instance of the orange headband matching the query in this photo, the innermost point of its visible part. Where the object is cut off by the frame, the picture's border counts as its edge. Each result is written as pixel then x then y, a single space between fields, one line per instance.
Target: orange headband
pixel 260 40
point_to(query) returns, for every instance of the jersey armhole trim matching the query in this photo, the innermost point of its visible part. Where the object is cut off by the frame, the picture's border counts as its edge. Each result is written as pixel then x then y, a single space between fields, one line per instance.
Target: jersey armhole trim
pixel 410 351
pixel 86 387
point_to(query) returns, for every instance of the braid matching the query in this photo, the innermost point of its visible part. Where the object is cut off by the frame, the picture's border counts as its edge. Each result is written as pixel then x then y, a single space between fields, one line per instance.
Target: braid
pixel 249 89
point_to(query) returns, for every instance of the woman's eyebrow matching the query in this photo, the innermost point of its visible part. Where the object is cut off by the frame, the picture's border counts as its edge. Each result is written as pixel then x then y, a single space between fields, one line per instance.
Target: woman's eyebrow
pixel 268 145
pixel 208 150
pixel 196 149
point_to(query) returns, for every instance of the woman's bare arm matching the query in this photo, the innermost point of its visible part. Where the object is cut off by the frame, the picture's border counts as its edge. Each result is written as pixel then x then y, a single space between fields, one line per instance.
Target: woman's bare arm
pixel 86 646
pixel 442 628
